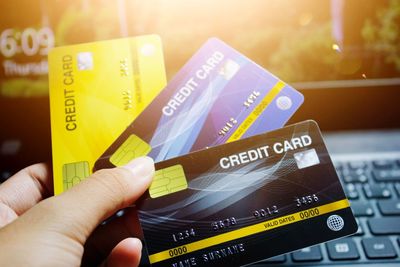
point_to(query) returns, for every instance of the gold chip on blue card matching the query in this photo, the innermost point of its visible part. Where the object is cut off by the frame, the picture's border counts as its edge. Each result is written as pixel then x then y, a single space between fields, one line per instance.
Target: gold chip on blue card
pixel 132 148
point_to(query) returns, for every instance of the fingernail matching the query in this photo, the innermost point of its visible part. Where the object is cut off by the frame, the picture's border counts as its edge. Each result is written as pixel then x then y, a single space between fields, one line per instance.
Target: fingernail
pixel 138 243
pixel 141 168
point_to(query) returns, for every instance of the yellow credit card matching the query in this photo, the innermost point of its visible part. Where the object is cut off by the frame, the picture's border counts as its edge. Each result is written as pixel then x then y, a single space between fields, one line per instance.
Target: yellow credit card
pixel 96 90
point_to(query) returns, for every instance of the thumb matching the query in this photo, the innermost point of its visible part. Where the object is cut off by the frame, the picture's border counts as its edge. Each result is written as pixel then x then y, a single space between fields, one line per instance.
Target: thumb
pixel 77 212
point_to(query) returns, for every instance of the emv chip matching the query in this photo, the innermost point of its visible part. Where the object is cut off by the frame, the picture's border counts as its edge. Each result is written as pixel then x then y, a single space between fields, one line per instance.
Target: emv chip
pixel 75 172
pixel 306 158
pixel 132 148
pixel 167 181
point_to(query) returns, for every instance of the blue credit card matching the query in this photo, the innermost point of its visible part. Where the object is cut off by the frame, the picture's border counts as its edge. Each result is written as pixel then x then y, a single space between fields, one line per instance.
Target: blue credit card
pixel 219 96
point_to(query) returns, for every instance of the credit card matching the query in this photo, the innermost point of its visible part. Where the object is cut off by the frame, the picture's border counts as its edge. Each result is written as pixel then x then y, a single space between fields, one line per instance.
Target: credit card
pixel 217 97
pixel 245 201
pixel 96 90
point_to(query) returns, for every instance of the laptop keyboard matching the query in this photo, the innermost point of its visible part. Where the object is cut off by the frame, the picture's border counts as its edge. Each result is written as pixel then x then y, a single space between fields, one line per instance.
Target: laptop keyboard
pixel 373 188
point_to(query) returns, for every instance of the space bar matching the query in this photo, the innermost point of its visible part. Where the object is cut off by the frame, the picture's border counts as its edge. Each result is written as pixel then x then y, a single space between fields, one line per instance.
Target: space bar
pixel 385 226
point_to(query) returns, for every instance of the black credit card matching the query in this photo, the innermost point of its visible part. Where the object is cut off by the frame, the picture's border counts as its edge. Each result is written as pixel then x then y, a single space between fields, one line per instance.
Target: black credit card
pixel 245 201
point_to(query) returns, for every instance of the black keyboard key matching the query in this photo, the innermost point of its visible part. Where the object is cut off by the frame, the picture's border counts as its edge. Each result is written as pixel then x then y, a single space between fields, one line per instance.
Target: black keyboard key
pixel 383 164
pixel 307 254
pixel 354 165
pixel 360 230
pixel 397 187
pixel 387 175
pixel 385 225
pixel 354 178
pixel 276 259
pixel 377 191
pixel 351 191
pixel 362 208
pixel 389 207
pixel 343 249
pixel 378 248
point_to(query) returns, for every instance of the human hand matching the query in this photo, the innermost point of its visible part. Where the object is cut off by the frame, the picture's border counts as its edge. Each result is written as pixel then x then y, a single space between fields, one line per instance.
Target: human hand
pixel 39 230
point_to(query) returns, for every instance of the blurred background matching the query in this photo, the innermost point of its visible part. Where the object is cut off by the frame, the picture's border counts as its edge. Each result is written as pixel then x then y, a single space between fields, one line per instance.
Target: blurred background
pixel 340 53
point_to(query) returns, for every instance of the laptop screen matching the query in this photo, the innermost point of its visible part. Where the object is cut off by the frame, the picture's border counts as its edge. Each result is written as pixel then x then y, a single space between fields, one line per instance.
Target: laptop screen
pixel 342 54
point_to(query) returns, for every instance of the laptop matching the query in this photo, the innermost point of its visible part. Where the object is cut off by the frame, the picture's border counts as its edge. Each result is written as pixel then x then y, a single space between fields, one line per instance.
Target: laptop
pixel 335 52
